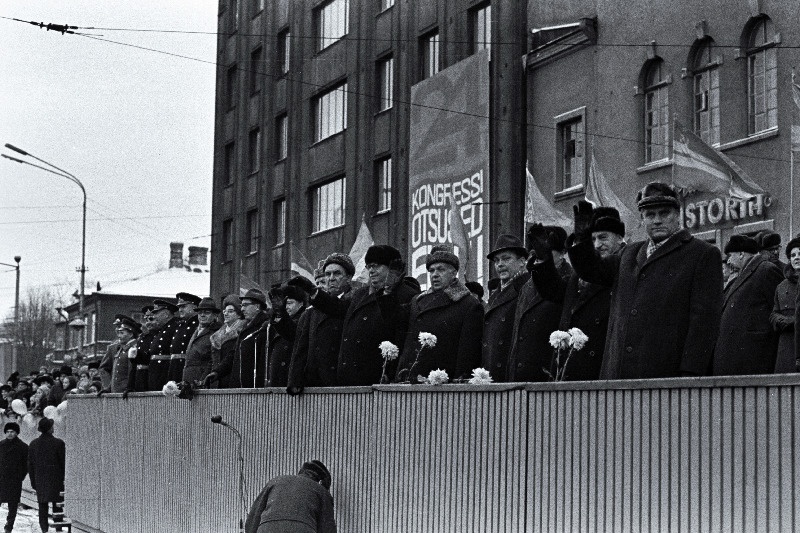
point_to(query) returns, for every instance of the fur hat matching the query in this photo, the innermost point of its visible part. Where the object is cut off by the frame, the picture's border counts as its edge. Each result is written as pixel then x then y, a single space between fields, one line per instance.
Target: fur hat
pixel 45 424
pixel 769 239
pixel 294 292
pixel 657 194
pixel 794 243
pixel 382 254
pixel 234 300
pixel 343 260
pixel 741 243
pixel 442 254
pixel 607 219
pixel 12 426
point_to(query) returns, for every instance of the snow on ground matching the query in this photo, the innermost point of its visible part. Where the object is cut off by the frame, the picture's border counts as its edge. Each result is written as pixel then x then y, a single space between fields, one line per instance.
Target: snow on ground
pixel 27 519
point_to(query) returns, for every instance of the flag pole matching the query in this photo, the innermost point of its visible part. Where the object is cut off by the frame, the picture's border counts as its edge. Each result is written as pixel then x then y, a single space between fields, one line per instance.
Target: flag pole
pixel 791 169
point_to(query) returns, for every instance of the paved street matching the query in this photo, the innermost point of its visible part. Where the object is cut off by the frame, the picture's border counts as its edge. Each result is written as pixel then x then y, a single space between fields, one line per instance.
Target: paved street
pixel 26 520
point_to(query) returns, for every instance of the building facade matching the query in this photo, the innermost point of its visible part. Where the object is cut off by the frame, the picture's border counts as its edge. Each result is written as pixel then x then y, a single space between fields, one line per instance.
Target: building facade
pixel 313 122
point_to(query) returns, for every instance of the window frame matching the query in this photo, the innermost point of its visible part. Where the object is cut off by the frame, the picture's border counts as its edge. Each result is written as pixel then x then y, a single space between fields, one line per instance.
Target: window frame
pixel 328 190
pixel 254 151
pixel 562 124
pixel 281 137
pixel 385 86
pixel 383 184
pixel 231 87
pixel 227 241
pixel 319 121
pixel 655 104
pixel 229 163
pixel 475 14
pixel 252 232
pixel 279 221
pixel 283 51
pixel 321 40
pixel 256 76
pixel 426 69
pixel 764 49
pixel 385 5
pixel 258 7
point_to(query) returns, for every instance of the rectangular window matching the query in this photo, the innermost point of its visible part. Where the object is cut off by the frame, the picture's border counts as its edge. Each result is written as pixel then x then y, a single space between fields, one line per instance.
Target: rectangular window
pixel 763 90
pixel 386 83
pixel 253 236
pixel 281 137
pixel 233 15
pixel 656 124
pixel 254 151
pixel 93 327
pixel 383 171
pixel 706 105
pixel 283 51
pixel 331 112
pixel 328 205
pixel 258 7
pixel 481 28
pixel 256 70
pixel 386 4
pixel 279 212
pixel 230 163
pixel 332 22
pixel 571 156
pixel 230 86
pixel 227 240
pixel 429 55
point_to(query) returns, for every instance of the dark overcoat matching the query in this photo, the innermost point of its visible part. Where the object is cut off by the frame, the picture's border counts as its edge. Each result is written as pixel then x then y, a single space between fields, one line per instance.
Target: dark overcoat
pixel 363 329
pixel 198 354
pixel 782 320
pixel 106 366
pixel 158 371
pixel 456 318
pixel 246 365
pixel 13 468
pixel 747 342
pixel 120 370
pixel 665 309
pixel 184 331
pixel 282 334
pixel 292 504
pixel 586 306
pixel 534 320
pixel 46 455
pixel 498 326
pixel 140 365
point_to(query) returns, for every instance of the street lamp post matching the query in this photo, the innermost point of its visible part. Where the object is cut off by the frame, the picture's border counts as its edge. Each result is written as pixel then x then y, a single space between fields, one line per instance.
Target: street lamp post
pixel 64 174
pixel 15 347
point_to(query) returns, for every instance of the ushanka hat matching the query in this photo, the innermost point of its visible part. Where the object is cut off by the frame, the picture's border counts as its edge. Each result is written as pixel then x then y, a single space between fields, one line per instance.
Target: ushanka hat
pixel 12 426
pixel 741 243
pixel 343 260
pixel 769 239
pixel 657 194
pixel 607 219
pixel 441 254
pixel 794 243
pixel 382 254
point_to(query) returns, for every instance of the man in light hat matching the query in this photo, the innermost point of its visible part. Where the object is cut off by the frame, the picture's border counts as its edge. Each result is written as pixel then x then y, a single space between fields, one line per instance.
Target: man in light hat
pixel 364 326
pixel 184 329
pixel 666 292
pixel 246 365
pixel 198 351
pixel 299 503
pixel 747 343
pixel 165 324
pixel 13 469
pixel 508 258
pixel 46 462
pixel 448 311
pixel 315 354
pixel 586 306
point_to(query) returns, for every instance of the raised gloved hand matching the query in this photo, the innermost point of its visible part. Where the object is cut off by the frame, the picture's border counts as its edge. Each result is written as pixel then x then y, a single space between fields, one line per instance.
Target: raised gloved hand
pixel 537 242
pixel 582 214
pixel 303 283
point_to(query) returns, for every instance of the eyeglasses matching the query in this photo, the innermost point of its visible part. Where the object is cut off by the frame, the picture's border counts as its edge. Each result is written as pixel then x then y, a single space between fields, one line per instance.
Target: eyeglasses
pixel 245 304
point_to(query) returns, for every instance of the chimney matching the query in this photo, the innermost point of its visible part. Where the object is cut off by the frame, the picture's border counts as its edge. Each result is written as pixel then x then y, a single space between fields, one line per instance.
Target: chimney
pixel 198 255
pixel 176 255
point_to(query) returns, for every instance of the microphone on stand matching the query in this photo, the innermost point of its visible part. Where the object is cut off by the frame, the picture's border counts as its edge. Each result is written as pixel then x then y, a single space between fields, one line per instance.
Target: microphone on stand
pixel 217 419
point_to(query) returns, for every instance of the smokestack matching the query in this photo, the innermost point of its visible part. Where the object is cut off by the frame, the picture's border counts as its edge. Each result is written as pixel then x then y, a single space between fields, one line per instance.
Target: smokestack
pixel 176 255
pixel 198 256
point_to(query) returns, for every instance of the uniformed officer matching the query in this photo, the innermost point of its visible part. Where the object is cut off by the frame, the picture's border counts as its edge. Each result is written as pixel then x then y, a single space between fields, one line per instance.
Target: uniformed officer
pixel 165 324
pixel 106 365
pixel 185 328
pixel 138 375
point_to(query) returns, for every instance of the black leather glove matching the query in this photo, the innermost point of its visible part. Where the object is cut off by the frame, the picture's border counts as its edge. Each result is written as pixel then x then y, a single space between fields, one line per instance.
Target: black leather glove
pixel 582 214
pixel 538 243
pixel 303 283
pixel 210 378
pixel 125 394
pixel 294 391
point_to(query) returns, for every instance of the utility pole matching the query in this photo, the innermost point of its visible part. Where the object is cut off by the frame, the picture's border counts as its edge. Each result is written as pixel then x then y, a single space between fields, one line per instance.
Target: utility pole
pixel 15 346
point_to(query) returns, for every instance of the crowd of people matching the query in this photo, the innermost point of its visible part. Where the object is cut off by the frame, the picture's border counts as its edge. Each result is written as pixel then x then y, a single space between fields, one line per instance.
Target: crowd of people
pixel 667 306
pixel 47 387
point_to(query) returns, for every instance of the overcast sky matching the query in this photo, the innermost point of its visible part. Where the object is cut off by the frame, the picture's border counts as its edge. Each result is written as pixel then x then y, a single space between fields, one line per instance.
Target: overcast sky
pixel 136 127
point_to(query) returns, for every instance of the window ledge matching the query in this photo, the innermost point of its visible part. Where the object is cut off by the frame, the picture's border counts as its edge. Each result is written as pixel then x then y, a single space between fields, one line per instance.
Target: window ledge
pixel 332 136
pixel 654 165
pixel 326 230
pixel 279 245
pixel 382 111
pixel 382 213
pixel 760 136
pixel 575 190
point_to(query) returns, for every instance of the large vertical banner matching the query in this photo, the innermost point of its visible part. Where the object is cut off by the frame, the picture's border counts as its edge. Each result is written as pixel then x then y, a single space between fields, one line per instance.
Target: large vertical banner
pixel 449 162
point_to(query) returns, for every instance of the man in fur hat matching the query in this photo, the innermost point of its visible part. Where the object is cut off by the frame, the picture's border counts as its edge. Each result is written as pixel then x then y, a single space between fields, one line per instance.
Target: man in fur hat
pixel 448 311
pixel 666 292
pixel 747 343
pixel 13 469
pixel 586 306
pixel 298 503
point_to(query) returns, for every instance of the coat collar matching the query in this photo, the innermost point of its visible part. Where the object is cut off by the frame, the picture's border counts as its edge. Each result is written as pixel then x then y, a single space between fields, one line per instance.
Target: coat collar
pixel 748 270
pixel 509 293
pixel 674 242
pixel 454 292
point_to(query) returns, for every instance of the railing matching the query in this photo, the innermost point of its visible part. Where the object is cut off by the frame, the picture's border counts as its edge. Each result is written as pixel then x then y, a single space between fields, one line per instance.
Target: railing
pixel 705 454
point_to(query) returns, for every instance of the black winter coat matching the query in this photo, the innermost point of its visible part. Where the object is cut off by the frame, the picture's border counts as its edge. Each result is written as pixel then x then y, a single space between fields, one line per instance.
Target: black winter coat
pixel 292 504
pixel 46 460
pixel 585 306
pixel 281 341
pixel 535 318
pixel 246 365
pixel 747 342
pixel 498 327
pixel 363 329
pixel 456 318
pixel 782 320
pixel 13 468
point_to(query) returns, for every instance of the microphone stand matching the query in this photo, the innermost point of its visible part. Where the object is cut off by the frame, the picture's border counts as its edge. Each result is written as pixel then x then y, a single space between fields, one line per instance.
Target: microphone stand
pixel 217 419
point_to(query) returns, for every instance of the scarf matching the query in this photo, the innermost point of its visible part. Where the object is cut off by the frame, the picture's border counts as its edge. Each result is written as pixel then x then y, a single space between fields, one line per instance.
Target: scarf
pixel 226 333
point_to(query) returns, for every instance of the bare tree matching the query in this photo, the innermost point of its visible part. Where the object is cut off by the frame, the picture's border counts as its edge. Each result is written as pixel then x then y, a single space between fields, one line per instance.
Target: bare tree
pixel 36 332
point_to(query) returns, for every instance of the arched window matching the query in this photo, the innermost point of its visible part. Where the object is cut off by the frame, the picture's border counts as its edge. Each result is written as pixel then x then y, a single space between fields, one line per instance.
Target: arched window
pixel 705 85
pixel 762 76
pixel 656 112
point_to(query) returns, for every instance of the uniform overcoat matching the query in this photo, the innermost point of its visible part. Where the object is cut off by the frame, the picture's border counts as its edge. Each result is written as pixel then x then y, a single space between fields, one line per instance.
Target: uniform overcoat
pixel 498 326
pixel 46 455
pixel 363 329
pixel 292 504
pixel 282 335
pixel 747 342
pixel 106 366
pixel 665 309
pixel 184 331
pixel 121 367
pixel 782 320
pixel 198 354
pixel 138 378
pixel 13 468
pixel 158 372
pixel 456 318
